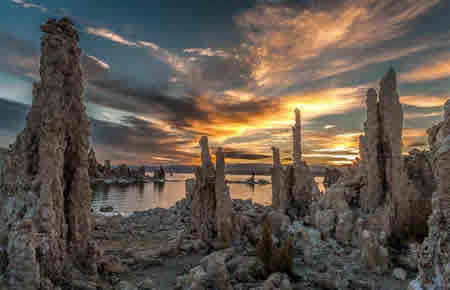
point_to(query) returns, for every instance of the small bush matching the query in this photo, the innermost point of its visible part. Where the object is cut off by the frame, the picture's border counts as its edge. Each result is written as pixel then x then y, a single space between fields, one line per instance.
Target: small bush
pixel 275 259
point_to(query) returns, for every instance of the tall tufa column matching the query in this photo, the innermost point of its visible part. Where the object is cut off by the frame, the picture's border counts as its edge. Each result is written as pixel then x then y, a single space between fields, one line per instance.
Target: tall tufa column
pixel 375 165
pixel 297 138
pixel 224 204
pixel 276 178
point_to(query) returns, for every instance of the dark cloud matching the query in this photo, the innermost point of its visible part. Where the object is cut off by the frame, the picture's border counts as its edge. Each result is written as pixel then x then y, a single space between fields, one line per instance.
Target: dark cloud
pixel 238 154
pixel 21 58
pixel 137 141
pixel 145 100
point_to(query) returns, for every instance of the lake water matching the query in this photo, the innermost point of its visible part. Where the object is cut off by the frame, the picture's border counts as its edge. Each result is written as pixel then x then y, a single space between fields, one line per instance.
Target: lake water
pixel 139 197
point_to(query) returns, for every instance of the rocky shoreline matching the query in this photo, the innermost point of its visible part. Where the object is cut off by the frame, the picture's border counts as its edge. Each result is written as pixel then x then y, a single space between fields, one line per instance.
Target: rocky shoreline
pixel 154 249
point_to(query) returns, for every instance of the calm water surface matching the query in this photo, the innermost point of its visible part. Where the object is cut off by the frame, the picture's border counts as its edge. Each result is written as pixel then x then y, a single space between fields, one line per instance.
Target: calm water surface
pixel 127 199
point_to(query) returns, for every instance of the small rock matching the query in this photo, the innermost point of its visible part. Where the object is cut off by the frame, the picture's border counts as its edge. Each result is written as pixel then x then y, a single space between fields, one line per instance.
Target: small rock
pixel 125 285
pixel 147 284
pixel 106 208
pixel 399 274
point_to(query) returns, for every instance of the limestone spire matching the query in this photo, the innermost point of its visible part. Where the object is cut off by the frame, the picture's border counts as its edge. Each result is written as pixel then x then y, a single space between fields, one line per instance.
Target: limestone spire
pixel 205 157
pixel 374 195
pixel 50 172
pixel 276 177
pixel 297 138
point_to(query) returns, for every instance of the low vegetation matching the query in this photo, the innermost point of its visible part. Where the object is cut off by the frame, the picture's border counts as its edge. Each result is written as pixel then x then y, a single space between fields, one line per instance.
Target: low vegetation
pixel 275 259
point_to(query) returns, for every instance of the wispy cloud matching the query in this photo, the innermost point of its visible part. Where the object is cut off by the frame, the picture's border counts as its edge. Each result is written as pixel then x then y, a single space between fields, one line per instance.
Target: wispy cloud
pixel 101 63
pixel 108 34
pixel 208 52
pixel 177 63
pixel 423 101
pixel 434 69
pixel 30 5
pixel 284 42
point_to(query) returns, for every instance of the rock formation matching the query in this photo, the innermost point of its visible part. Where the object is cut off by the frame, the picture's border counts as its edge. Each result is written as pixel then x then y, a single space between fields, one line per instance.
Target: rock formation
pixel 211 203
pixel 375 177
pixel 45 194
pixel 297 135
pixel 159 174
pixel 124 171
pixel 434 258
pixel 391 116
pixel 297 182
pixel 107 171
pixel 401 190
pixel 93 165
pixel 331 176
pixel 224 207
pixel 276 178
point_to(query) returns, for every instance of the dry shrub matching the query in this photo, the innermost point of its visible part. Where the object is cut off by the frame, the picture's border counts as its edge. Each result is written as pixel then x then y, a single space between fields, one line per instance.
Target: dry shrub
pixel 275 259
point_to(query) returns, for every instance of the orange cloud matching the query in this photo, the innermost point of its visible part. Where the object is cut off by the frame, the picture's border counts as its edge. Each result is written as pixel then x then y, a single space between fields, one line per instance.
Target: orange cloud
pixel 423 101
pixel 435 69
pixel 284 39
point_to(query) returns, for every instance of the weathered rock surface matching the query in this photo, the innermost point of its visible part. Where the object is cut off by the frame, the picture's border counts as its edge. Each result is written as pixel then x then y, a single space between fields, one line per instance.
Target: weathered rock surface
pixel 45 194
pixel 276 180
pixel 224 210
pixel 211 203
pixel 434 257
pixel 332 175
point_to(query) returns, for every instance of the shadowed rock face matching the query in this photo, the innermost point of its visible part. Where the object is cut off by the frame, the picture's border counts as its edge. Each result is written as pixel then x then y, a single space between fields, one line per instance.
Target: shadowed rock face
pixel 93 165
pixel 224 209
pixel 434 258
pixel 45 194
pixel 375 164
pixel 297 142
pixel 402 188
pixel 212 209
pixel 276 178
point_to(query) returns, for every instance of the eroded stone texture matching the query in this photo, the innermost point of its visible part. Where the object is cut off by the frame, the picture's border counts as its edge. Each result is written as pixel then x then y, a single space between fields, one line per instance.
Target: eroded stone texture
pixel 375 166
pixel 305 187
pixel 224 205
pixel 434 258
pixel 45 194
pixel 297 182
pixel 297 135
pixel 204 197
pixel 107 168
pixel 93 165
pixel 332 175
pixel 276 178
pixel 391 114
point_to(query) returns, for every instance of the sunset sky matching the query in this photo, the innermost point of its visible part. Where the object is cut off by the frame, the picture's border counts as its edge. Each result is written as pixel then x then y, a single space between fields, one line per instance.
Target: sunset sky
pixel 159 74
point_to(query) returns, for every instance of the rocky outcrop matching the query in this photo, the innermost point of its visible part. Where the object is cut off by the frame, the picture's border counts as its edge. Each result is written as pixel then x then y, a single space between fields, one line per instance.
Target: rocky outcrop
pixel 224 205
pixel 276 178
pixel 159 174
pixel 107 169
pixel 45 194
pixel 123 171
pixel 93 165
pixel 204 197
pixel 402 188
pixel 297 182
pixel 212 216
pixel 332 175
pixel 434 257
pixel 375 174
pixel 297 135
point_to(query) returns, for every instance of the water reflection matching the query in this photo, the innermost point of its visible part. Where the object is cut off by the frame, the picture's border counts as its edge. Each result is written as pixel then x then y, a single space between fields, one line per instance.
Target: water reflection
pixel 158 186
pixel 127 199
